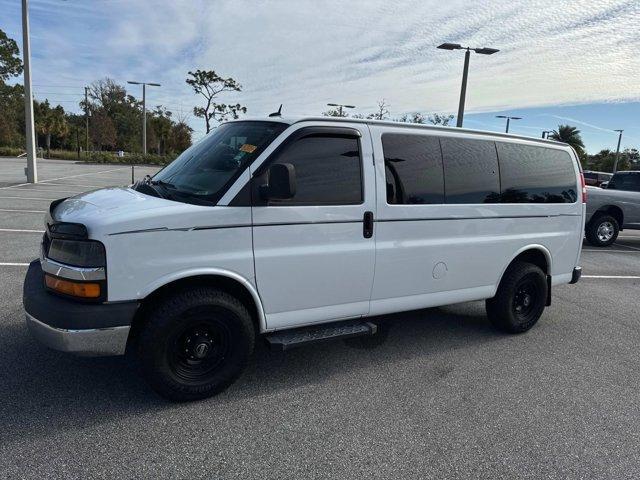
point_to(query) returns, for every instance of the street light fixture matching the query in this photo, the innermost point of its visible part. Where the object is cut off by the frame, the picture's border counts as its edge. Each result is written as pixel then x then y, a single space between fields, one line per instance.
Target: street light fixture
pixel 340 107
pixel 615 163
pixel 508 120
pixel 144 110
pixel 465 72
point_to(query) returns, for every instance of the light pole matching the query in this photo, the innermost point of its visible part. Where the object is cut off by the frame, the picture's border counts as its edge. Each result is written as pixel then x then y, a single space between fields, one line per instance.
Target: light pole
pixel 144 111
pixel 508 120
pixel 32 169
pixel 340 107
pixel 465 71
pixel 615 163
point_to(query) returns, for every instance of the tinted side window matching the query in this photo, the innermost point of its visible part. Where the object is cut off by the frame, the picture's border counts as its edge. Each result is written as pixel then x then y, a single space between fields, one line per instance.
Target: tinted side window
pixel 625 181
pixel 470 171
pixel 328 170
pixel 413 169
pixel 532 174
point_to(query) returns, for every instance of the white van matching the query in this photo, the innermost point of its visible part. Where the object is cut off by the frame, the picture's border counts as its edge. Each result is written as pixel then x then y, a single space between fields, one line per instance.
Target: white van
pixel 297 230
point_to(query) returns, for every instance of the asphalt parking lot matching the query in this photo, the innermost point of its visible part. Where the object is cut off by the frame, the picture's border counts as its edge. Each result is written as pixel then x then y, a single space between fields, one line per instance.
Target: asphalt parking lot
pixel 445 396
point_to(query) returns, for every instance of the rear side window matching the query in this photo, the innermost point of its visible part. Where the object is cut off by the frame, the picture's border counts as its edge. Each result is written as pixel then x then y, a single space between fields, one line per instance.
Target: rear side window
pixel 328 170
pixel 532 174
pixel 625 181
pixel 413 169
pixel 470 171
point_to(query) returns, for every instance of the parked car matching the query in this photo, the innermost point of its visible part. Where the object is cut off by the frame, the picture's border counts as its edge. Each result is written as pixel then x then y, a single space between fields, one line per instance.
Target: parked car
pixel 297 231
pixel 614 208
pixel 595 179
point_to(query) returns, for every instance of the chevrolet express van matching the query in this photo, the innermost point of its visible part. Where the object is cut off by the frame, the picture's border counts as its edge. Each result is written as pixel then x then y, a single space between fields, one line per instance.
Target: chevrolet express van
pixel 298 230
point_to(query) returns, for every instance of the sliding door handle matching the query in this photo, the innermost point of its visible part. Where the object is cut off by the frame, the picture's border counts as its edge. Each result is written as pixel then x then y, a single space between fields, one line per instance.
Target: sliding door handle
pixel 367 225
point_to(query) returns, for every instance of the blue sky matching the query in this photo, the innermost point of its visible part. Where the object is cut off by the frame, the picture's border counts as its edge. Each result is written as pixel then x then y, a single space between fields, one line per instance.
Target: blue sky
pixel 560 61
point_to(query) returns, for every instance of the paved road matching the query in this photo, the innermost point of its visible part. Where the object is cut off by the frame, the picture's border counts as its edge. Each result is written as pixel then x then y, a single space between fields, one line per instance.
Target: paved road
pixel 444 397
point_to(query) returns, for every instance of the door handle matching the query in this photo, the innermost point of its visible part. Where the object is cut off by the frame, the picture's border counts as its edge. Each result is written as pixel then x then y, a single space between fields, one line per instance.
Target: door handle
pixel 367 225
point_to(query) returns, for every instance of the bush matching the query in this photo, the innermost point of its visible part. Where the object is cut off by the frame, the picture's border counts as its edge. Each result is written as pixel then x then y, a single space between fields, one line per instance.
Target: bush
pixel 96 157
pixel 10 151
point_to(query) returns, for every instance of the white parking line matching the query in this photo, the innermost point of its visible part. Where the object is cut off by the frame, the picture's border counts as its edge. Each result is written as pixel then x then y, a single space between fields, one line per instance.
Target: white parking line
pixel 622 277
pixel 627 246
pixel 10 264
pixel 45 190
pixel 21 211
pixel 70 176
pixel 30 198
pixel 605 251
pixel 76 185
pixel 18 230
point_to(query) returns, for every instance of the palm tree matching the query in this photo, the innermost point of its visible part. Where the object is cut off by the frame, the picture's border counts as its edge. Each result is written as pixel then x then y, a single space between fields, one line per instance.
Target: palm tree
pixel 50 122
pixel 569 135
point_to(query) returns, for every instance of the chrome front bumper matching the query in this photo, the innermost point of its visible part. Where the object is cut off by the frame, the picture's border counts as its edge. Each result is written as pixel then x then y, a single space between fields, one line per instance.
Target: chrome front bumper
pixel 90 342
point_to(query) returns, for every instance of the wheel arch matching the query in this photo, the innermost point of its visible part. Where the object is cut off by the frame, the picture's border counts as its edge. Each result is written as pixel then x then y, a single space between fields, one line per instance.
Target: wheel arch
pixel 226 280
pixel 611 209
pixel 536 254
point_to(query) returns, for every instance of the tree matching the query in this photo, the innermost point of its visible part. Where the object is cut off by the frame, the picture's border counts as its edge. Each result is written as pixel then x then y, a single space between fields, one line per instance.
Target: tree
pixel 337 112
pixel 10 63
pixel 209 84
pixel 161 123
pixel 180 137
pixel 415 117
pixel 433 119
pixel 571 136
pixel 102 130
pixel 49 122
pixel 604 160
pixel 11 96
pixel 383 111
pixel 440 119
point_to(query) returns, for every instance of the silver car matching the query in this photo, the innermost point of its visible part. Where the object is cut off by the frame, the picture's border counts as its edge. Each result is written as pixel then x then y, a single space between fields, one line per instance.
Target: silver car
pixel 613 208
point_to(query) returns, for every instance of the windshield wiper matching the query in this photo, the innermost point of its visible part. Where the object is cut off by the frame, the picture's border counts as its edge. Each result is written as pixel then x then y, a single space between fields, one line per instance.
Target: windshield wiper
pixel 164 192
pixel 162 183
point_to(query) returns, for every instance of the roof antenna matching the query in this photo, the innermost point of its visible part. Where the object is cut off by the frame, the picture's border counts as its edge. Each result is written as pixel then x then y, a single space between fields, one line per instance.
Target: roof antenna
pixel 278 113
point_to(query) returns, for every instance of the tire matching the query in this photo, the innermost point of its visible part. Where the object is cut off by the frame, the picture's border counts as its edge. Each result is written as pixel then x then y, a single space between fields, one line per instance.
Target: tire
pixel 602 230
pixel 520 299
pixel 195 343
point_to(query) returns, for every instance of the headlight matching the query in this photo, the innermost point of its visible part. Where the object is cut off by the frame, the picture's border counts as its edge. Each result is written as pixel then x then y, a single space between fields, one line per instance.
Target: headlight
pixel 79 253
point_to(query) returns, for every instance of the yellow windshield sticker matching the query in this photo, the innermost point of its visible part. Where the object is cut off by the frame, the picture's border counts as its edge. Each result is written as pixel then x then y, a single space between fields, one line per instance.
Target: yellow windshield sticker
pixel 248 148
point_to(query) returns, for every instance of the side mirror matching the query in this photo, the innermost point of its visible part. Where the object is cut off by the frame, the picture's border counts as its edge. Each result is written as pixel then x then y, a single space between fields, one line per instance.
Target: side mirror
pixel 282 182
pixel 604 184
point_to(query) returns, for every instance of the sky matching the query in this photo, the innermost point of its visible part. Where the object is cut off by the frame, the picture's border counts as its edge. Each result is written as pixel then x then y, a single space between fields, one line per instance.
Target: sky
pixel 560 62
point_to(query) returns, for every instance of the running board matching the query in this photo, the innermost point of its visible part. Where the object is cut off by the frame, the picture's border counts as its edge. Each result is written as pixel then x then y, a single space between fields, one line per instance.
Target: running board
pixel 287 339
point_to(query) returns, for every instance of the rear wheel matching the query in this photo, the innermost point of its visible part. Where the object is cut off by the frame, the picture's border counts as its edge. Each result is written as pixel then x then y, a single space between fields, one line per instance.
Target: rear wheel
pixel 602 230
pixel 520 299
pixel 195 343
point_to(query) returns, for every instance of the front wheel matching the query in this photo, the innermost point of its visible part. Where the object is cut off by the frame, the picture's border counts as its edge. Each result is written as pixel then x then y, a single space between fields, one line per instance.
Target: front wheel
pixel 520 299
pixel 602 231
pixel 195 343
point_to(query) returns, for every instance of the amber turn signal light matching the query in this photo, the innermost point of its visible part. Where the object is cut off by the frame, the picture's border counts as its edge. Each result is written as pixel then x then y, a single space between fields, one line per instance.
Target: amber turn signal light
pixel 83 290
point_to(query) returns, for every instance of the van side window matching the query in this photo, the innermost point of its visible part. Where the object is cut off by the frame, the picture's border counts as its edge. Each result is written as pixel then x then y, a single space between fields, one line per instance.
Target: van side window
pixel 328 170
pixel 413 169
pixel 531 174
pixel 471 172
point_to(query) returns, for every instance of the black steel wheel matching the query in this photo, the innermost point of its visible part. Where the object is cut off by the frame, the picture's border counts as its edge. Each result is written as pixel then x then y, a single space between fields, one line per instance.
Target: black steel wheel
pixel 195 343
pixel 520 299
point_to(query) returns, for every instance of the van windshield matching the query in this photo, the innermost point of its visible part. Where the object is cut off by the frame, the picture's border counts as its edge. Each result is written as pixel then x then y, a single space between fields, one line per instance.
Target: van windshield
pixel 203 172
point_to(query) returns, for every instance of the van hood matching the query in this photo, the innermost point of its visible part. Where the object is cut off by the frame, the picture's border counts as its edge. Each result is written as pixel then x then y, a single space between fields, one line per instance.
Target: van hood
pixel 117 209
